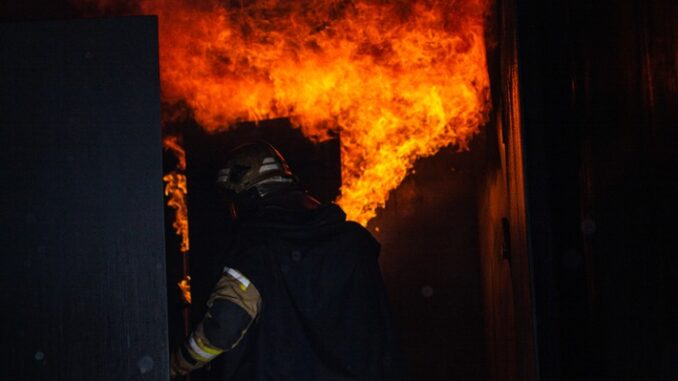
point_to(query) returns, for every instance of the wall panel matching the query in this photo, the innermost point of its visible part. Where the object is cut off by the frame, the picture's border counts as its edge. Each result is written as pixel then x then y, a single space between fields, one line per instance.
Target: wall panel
pixel 81 223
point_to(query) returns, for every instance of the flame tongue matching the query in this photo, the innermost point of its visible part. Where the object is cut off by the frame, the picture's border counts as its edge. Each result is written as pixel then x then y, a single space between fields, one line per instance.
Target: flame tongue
pixel 185 287
pixel 397 80
pixel 176 190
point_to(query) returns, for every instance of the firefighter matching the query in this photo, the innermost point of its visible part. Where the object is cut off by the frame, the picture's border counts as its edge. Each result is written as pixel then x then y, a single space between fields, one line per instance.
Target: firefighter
pixel 300 295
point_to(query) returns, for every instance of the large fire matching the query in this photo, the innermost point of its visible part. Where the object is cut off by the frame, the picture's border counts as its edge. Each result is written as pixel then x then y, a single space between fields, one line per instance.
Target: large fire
pixel 396 80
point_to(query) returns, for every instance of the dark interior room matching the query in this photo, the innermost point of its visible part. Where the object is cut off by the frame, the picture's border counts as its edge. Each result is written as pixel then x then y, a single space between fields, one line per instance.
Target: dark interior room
pixel 515 160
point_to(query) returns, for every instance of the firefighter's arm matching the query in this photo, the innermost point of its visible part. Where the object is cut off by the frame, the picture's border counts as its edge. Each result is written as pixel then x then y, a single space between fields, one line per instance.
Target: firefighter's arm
pixel 232 307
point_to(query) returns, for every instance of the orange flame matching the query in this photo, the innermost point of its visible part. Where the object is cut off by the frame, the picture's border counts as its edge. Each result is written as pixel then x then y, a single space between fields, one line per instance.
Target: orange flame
pixel 185 287
pixel 397 80
pixel 172 144
pixel 175 188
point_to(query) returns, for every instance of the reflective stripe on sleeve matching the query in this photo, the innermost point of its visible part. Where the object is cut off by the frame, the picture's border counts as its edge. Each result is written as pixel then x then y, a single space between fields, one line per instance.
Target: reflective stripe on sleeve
pixel 199 353
pixel 203 343
pixel 238 276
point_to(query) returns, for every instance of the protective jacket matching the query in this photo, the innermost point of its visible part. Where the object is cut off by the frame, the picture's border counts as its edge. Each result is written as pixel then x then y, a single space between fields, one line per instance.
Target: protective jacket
pixel 320 310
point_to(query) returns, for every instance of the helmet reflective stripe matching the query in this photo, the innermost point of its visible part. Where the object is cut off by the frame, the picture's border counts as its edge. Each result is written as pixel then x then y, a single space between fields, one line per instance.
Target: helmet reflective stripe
pixel 222 175
pixel 269 167
pixel 275 179
pixel 251 164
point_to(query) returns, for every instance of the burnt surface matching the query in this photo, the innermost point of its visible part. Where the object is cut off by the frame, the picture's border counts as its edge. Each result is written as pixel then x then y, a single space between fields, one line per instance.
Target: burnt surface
pixel 83 273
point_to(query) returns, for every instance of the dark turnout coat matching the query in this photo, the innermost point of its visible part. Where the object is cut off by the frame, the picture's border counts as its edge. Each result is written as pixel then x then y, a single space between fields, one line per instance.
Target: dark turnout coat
pixel 324 314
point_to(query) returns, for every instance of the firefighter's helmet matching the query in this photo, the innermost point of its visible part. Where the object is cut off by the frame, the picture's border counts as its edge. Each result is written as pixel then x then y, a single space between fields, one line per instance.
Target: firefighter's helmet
pixel 252 165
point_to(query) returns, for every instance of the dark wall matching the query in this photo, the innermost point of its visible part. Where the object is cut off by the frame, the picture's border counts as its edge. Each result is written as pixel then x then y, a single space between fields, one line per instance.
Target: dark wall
pixel 81 227
pixel 599 91
pixel 431 267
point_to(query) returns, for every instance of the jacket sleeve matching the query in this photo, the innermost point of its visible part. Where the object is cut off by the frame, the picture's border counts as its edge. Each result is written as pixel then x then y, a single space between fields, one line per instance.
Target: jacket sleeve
pixel 232 307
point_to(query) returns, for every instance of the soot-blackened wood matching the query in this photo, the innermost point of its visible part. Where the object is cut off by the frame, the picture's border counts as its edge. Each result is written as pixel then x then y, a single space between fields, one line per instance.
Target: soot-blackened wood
pixel 81 228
